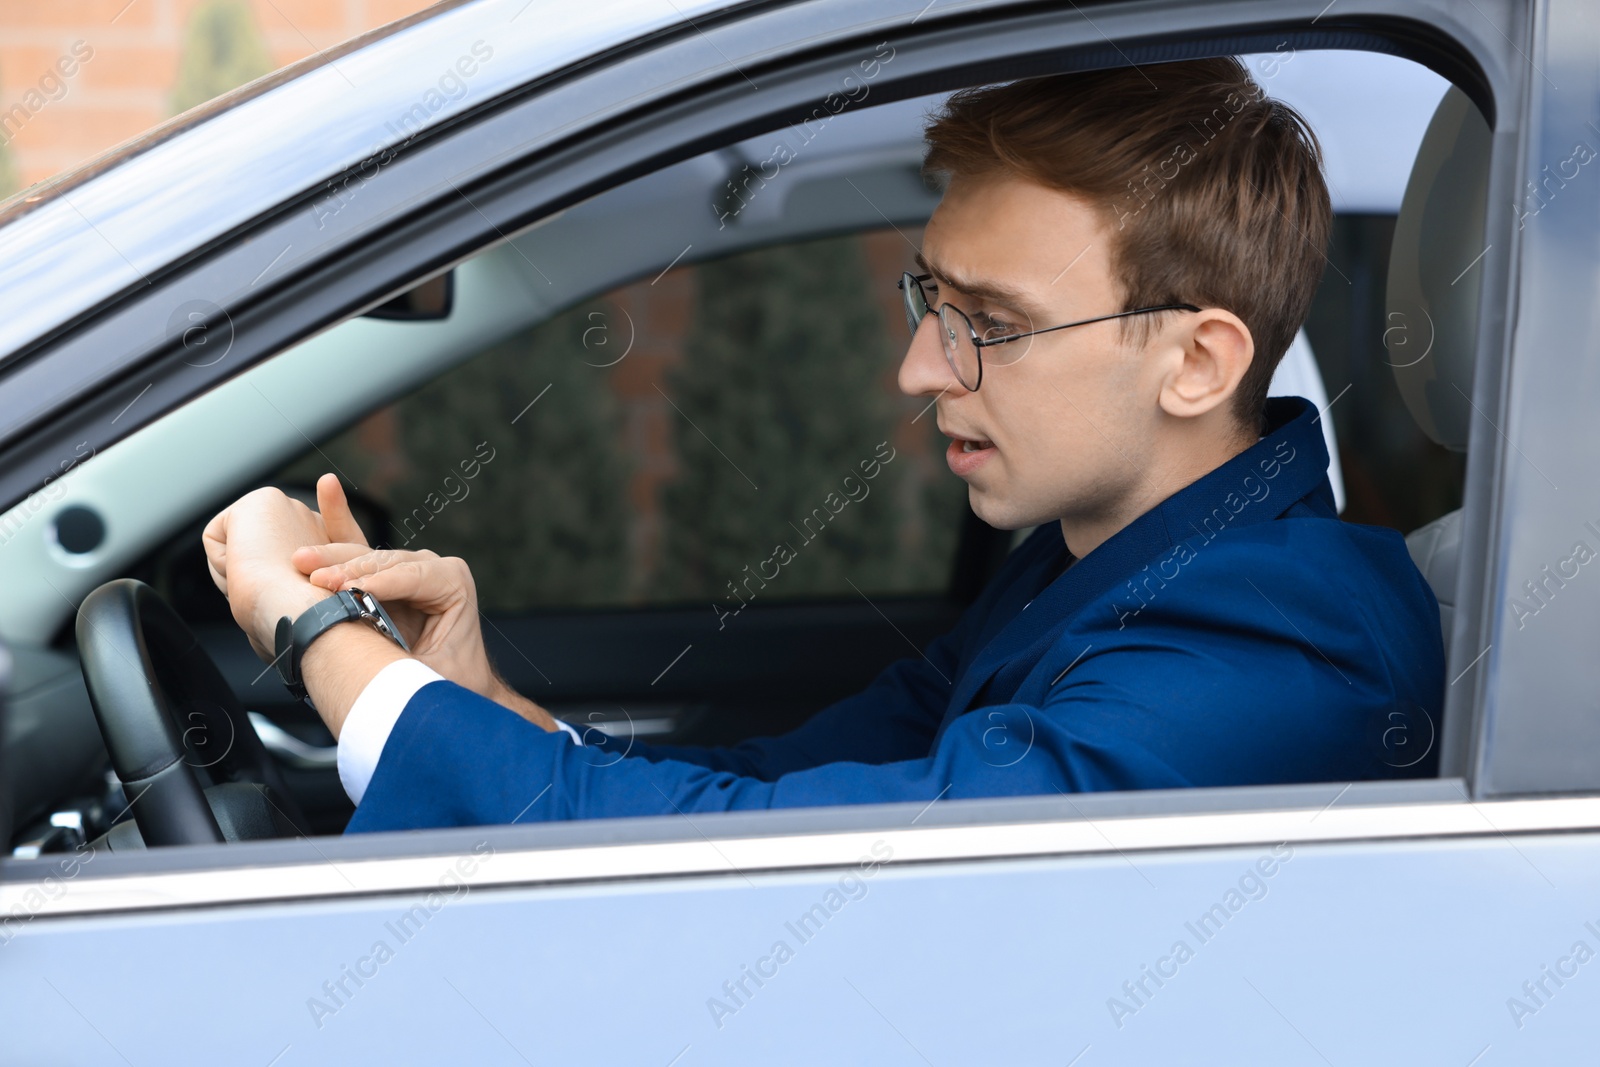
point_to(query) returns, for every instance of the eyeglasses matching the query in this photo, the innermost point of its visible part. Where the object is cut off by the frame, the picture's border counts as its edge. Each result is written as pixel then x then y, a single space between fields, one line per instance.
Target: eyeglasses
pixel 963 346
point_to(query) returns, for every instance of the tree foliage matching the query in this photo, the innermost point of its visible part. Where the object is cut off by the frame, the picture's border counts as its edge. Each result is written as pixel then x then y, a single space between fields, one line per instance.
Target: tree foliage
pixel 783 392
pixel 542 520
pixel 9 182
pixel 8 171
pixel 781 396
pixel 222 50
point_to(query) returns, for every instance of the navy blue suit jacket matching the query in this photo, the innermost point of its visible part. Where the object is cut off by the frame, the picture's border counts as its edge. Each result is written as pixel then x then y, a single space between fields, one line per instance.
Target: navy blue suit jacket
pixel 1237 633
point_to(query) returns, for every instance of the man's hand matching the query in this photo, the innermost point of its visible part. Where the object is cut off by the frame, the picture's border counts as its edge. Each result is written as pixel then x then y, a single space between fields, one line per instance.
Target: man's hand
pixel 248 547
pixel 432 599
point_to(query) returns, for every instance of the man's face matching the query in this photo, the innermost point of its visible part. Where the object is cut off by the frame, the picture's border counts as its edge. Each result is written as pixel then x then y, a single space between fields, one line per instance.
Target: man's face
pixel 1064 431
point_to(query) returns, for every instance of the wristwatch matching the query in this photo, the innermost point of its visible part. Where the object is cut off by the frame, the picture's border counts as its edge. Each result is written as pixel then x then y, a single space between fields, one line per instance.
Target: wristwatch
pixel 293 637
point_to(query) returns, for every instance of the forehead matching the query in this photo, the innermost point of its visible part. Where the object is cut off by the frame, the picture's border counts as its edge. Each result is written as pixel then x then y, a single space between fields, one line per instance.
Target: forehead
pixel 1006 236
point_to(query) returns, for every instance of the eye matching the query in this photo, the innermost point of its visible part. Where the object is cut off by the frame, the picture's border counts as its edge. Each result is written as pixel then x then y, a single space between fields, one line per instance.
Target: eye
pixel 993 327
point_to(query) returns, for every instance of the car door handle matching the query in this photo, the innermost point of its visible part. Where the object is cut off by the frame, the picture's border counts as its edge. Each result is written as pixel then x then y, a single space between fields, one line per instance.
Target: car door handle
pixel 651 720
pixel 290 749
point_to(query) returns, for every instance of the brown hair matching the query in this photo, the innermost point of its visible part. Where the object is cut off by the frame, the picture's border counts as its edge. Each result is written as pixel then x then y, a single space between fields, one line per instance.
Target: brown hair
pixel 1213 191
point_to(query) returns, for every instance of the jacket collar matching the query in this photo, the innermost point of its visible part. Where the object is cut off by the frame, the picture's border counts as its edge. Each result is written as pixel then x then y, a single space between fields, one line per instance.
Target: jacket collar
pixel 1286 468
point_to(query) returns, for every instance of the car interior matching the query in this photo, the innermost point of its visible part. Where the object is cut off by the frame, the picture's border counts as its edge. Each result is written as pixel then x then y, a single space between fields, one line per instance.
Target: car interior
pixel 583 412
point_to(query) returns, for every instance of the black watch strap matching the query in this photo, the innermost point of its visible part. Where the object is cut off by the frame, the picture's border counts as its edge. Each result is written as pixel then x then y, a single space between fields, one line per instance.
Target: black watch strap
pixel 293 638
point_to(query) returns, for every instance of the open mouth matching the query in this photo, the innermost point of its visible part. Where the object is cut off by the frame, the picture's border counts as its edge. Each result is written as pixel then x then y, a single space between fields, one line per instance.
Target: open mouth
pixel 967 455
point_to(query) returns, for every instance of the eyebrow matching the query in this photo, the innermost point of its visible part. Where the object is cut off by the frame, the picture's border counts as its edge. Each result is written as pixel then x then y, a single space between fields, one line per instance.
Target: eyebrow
pixel 992 291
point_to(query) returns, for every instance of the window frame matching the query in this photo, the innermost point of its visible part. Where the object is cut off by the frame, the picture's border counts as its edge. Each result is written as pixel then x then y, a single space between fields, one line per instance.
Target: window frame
pixel 419 220
pixel 1534 727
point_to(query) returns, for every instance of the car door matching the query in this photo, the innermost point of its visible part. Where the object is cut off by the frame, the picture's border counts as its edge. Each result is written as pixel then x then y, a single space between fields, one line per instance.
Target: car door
pixel 1347 922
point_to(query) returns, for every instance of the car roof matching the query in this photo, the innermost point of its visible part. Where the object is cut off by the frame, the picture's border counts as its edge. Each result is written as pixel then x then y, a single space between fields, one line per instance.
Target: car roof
pixel 106 228
pixel 78 241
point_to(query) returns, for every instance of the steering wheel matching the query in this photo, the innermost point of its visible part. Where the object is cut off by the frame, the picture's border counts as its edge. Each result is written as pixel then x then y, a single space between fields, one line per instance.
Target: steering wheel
pixel 190 762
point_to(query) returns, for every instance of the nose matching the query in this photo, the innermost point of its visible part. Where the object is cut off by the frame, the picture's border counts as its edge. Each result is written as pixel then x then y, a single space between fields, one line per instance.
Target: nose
pixel 924 371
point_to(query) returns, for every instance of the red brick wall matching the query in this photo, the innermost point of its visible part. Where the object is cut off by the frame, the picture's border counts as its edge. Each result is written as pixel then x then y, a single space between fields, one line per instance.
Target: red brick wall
pixel 654 320
pixel 125 86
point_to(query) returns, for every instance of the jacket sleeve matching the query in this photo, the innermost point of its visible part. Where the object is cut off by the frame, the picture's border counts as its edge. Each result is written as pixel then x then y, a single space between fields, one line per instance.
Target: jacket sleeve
pixel 456 759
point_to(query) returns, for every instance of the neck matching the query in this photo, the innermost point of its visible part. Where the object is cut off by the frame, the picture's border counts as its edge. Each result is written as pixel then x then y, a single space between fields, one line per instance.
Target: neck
pixel 1182 463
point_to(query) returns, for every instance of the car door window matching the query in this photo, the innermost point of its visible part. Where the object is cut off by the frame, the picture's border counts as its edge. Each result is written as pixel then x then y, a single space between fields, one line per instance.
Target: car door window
pixel 726 430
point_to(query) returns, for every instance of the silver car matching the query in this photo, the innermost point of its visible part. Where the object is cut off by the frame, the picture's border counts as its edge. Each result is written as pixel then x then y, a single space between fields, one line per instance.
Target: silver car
pixel 557 247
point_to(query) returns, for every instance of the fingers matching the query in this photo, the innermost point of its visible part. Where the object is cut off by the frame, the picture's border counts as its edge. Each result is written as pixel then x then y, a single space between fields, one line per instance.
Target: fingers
pixel 214 539
pixel 336 513
pixel 422 579
pixel 338 565
pixel 312 558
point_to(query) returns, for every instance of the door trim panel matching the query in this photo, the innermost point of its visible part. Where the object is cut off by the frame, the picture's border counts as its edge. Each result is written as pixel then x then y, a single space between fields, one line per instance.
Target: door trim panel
pixel 741 856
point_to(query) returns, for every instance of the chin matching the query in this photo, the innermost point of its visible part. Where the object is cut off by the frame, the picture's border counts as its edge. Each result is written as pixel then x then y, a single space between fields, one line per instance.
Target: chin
pixel 997 513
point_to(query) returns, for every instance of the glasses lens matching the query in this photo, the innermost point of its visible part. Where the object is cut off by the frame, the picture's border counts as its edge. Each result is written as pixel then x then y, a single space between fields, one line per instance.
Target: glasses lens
pixel 955 333
pixel 916 301
pixel 1003 355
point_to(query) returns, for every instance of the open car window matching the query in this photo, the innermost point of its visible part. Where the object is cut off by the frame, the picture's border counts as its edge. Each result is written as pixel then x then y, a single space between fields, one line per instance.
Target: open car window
pixel 593 429
pixel 663 442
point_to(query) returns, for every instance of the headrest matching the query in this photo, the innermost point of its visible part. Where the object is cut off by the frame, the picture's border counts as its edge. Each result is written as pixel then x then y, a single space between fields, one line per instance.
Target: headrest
pixel 1435 270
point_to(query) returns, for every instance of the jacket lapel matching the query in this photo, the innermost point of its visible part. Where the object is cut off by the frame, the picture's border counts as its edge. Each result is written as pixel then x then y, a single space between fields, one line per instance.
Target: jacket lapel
pixel 1291 462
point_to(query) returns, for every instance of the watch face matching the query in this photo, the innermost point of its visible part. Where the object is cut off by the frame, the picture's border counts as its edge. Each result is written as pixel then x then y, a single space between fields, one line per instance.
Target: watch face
pixel 388 625
pixel 373 612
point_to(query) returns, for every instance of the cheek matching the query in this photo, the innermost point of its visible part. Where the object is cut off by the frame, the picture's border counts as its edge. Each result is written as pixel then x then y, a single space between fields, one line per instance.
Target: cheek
pixel 1083 423
pixel 1062 393
pixel 1035 426
pixel 1112 387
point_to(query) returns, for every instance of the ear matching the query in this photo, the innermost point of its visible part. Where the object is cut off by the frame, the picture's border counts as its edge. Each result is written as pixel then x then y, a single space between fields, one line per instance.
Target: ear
pixel 1213 351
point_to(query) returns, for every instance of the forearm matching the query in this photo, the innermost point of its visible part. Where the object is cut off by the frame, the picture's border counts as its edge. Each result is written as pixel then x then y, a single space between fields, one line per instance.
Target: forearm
pixel 502 693
pixel 344 660
pixel 338 666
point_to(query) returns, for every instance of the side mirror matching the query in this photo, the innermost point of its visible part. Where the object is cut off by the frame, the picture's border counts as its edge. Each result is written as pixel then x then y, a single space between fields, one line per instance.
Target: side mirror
pixel 428 302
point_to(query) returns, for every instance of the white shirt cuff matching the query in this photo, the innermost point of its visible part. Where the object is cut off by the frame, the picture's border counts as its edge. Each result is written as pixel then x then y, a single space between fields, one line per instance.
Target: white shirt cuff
pixel 373 715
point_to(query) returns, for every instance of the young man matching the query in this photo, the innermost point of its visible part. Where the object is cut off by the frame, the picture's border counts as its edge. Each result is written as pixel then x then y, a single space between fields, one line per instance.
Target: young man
pixel 1119 261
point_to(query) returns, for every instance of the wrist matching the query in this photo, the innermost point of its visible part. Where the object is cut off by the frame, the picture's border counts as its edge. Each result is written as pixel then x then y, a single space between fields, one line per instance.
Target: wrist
pixel 339 665
pixel 286 598
pixel 321 656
